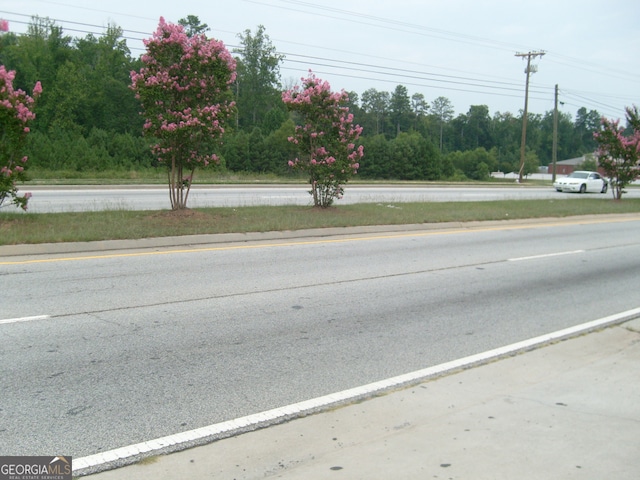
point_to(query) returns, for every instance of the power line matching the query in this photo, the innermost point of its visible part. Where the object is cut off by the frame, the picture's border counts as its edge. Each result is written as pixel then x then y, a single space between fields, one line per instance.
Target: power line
pixel 439 33
pixel 440 81
pixel 415 84
pixel 594 68
pixel 353 66
pixel 403 70
pixel 47 2
pixel 384 22
pixel 76 30
pixel 607 111
pixel 405 74
pixel 379 22
pixel 386 59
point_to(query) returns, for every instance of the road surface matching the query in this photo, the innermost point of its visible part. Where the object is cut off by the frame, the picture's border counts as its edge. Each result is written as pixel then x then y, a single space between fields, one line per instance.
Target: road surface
pixel 106 349
pixel 68 199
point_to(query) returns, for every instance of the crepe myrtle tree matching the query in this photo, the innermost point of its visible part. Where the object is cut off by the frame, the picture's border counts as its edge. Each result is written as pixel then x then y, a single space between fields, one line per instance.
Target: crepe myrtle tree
pixel 619 154
pixel 184 90
pixel 326 138
pixel 16 113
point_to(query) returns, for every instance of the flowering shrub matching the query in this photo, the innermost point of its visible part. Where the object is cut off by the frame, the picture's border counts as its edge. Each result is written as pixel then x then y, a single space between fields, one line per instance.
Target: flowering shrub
pixel 326 138
pixel 184 89
pixel 618 154
pixel 15 116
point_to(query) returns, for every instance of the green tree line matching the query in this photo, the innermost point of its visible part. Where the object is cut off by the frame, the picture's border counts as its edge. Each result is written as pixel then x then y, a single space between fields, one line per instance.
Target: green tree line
pixel 88 117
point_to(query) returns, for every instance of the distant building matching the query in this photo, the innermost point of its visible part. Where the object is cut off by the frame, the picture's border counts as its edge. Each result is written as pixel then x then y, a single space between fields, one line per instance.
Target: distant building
pixel 565 167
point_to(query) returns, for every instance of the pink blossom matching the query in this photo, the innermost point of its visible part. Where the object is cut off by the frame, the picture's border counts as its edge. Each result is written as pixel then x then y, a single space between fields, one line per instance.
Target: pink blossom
pixel 4 25
pixel 329 135
pixel 180 86
pixel 18 105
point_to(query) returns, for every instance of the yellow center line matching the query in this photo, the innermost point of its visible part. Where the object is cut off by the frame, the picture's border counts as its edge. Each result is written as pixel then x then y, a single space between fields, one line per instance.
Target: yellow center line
pixel 318 242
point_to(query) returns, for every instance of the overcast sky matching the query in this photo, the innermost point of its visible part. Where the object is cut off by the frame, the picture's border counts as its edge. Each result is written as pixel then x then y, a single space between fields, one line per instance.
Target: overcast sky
pixel 464 50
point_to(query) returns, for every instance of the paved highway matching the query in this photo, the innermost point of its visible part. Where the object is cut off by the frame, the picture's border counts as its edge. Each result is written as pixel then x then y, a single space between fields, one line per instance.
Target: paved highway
pixel 112 348
pixel 65 199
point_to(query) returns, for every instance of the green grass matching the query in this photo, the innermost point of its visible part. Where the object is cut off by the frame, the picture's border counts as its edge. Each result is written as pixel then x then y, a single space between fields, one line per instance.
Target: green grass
pixel 20 228
pixel 149 176
pixel 213 176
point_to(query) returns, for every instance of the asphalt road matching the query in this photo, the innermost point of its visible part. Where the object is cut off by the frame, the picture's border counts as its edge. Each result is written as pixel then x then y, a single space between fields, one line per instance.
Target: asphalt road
pixel 133 345
pixel 66 199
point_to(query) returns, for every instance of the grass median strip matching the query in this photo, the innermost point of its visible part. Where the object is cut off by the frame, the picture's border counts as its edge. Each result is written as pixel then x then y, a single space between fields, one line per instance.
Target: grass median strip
pixel 20 228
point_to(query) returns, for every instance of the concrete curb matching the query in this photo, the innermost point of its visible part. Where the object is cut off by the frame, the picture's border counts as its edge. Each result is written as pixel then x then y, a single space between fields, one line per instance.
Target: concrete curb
pixel 222 238
pixel 181 441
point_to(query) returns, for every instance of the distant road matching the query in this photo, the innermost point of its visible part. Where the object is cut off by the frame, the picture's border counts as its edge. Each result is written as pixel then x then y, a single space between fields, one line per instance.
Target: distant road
pixel 91 198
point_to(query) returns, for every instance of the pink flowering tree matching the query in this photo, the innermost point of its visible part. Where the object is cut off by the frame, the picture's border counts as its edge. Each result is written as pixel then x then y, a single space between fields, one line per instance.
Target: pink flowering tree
pixel 619 154
pixel 184 89
pixel 16 112
pixel 326 138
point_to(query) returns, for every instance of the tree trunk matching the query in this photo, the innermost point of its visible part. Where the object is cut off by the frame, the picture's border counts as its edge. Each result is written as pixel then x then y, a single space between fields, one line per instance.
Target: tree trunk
pixel 179 186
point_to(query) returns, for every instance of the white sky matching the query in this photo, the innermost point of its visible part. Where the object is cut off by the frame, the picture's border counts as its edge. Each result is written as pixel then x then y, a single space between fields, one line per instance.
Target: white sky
pixel 460 49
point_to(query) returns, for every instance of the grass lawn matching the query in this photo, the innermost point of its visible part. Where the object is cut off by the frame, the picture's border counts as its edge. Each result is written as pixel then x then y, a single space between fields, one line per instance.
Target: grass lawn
pixel 20 228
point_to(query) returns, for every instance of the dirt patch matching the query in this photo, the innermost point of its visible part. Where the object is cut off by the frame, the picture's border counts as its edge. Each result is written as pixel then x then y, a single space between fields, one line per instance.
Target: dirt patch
pixel 329 209
pixel 183 213
pixel 181 218
pixel 7 224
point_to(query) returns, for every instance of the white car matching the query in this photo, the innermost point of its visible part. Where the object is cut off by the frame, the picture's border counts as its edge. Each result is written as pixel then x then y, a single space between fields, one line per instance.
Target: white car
pixel 582 182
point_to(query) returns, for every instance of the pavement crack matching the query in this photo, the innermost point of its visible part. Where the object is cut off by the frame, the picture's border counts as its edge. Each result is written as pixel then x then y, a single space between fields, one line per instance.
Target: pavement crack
pixel 267 290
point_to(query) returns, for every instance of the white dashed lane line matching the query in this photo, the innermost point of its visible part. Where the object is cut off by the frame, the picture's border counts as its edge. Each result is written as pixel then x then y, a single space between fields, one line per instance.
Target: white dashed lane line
pixel 24 319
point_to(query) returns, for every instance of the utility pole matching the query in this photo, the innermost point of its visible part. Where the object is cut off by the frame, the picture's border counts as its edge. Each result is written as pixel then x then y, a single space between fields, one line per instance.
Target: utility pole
pixel 554 149
pixel 530 69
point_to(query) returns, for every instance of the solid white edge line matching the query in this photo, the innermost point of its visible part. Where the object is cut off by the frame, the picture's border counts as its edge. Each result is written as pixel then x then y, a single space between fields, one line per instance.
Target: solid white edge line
pixel 24 319
pixel 534 257
pixel 308 406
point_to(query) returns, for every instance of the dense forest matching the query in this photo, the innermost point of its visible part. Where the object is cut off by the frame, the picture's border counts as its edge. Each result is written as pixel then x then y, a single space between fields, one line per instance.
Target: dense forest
pixel 88 117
